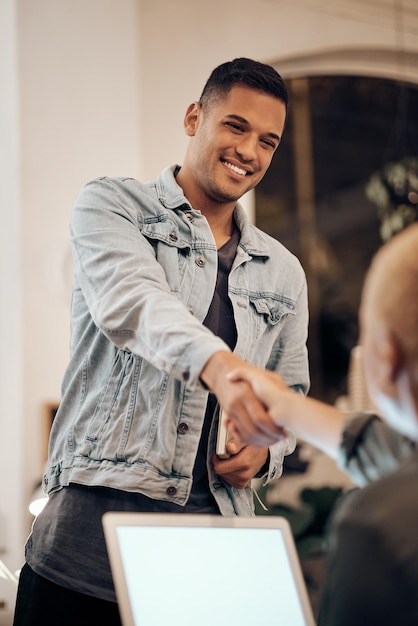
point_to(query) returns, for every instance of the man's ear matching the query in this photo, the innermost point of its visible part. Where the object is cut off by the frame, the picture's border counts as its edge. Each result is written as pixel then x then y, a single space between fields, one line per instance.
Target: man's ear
pixel 389 363
pixel 191 118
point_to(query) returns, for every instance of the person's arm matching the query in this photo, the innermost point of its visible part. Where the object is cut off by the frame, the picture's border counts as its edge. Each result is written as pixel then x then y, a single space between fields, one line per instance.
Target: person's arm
pixel 362 444
pixel 125 287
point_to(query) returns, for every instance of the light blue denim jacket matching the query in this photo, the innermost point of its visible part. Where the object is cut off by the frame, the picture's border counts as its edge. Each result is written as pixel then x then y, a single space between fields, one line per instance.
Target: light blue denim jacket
pixel 132 406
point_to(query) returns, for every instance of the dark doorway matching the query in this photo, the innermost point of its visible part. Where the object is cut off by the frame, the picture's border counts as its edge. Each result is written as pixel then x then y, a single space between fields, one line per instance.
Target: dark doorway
pixel 340 130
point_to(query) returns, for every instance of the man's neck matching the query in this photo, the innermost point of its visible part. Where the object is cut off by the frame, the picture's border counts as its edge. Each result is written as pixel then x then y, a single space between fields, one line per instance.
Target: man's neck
pixel 221 226
pixel 218 215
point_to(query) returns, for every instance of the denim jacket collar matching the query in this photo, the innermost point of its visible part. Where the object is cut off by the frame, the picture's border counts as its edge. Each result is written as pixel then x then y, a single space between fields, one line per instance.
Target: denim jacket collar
pixel 171 195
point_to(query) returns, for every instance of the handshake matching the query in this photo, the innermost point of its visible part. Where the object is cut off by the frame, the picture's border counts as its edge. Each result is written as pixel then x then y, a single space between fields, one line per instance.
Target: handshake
pixel 259 409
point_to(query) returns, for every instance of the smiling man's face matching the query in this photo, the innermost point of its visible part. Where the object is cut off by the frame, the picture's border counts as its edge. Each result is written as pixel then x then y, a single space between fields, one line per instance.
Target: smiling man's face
pixel 233 142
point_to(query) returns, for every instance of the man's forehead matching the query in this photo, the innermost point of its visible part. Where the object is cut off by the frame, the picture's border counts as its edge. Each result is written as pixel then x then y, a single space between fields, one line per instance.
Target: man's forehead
pixel 241 92
pixel 249 104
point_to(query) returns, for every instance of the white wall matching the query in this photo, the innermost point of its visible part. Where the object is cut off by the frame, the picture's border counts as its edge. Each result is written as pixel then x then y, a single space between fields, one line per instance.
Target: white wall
pixel 69 111
pixel 11 380
pixel 182 41
pixel 79 87
pixel 102 87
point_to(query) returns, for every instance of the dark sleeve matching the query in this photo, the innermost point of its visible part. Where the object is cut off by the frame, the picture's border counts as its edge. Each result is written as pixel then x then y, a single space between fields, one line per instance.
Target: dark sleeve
pixel 370 449
pixel 365 584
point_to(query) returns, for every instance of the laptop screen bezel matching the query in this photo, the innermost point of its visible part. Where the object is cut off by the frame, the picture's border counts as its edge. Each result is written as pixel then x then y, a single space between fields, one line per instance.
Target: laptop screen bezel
pixel 113 520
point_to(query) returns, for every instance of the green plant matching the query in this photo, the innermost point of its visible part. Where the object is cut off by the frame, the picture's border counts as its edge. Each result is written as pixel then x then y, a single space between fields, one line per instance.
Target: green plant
pixel 394 190
pixel 309 521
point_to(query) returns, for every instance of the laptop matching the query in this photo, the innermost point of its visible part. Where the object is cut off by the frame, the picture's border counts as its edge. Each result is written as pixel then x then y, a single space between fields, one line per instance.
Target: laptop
pixel 188 570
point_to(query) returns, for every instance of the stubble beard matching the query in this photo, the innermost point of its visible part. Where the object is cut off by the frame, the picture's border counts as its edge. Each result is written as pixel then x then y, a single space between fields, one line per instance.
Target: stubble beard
pixel 221 194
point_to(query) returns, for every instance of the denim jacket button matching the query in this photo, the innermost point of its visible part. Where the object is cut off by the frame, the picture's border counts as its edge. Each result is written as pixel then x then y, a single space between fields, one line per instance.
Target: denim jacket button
pixel 182 428
pixel 190 217
pixel 201 261
pixel 173 237
pixel 171 491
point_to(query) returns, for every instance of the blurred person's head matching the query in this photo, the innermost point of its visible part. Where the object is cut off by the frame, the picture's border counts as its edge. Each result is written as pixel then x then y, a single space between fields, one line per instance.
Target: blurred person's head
pixel 389 331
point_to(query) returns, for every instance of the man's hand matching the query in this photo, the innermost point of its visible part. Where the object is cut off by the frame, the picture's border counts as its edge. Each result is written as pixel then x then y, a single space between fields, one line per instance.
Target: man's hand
pixel 236 397
pixel 243 464
pixel 270 390
pixel 231 379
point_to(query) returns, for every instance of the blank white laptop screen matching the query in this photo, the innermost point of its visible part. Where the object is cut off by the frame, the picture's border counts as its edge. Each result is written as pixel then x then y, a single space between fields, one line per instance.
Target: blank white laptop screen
pixel 189 570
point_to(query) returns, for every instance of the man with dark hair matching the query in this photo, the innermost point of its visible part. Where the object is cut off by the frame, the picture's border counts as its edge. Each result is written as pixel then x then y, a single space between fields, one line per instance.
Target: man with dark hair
pixel 173 289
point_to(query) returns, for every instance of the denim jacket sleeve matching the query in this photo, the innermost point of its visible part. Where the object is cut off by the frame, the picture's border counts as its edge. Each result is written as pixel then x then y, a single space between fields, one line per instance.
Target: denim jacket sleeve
pixel 126 288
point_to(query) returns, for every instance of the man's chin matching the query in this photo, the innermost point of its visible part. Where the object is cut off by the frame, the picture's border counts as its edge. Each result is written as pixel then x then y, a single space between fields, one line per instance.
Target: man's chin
pixel 223 197
pixel 232 193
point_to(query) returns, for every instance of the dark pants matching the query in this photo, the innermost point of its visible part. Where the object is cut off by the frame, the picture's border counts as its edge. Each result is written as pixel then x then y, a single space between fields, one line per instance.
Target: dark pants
pixel 42 603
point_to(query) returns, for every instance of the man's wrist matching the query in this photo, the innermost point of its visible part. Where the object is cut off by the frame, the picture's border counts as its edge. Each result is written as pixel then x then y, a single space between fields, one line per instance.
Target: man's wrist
pixel 263 471
pixel 214 367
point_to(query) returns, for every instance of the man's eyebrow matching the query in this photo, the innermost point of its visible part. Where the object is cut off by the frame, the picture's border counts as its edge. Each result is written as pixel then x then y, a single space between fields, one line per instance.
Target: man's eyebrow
pixel 242 120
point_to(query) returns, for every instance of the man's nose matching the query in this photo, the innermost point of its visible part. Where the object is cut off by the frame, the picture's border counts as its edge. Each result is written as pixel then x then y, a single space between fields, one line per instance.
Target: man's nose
pixel 247 148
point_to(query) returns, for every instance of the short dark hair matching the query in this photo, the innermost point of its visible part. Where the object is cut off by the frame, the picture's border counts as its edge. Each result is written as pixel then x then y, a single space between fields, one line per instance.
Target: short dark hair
pixel 248 72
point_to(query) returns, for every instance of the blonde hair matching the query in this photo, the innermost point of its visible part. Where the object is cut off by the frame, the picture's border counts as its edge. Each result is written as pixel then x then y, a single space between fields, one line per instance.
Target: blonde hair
pixel 391 289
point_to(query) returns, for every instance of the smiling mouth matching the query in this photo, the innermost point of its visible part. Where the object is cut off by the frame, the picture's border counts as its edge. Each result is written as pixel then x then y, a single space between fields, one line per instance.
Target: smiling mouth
pixel 236 169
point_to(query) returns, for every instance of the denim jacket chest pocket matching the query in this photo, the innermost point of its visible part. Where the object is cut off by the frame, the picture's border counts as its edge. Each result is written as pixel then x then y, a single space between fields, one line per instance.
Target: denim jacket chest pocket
pixel 171 248
pixel 261 318
pixel 272 310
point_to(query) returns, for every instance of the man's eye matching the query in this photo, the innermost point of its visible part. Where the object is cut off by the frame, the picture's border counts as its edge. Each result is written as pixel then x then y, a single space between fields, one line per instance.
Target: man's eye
pixel 234 127
pixel 269 144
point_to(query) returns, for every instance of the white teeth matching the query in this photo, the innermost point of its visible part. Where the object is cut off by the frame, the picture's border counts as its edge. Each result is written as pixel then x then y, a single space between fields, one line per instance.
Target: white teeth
pixel 236 169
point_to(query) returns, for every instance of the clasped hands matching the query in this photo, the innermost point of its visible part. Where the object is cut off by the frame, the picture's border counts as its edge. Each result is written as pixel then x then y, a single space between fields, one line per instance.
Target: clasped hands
pixel 236 385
